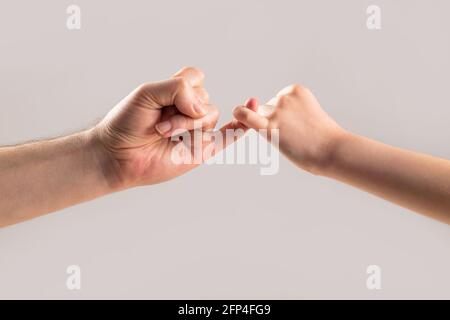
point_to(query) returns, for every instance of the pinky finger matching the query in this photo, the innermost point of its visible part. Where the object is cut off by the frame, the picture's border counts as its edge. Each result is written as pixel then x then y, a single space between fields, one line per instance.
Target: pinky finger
pixel 250 118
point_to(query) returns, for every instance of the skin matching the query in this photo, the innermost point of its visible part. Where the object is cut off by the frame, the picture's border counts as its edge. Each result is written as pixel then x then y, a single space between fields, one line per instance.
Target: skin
pixel 130 147
pixel 316 143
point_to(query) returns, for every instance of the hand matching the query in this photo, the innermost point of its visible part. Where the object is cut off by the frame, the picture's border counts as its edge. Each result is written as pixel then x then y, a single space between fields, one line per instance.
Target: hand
pixel 133 145
pixel 306 132
pixel 136 134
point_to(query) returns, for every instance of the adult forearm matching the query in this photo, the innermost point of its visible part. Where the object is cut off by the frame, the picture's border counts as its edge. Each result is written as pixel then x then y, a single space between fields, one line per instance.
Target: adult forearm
pixel 46 176
pixel 415 181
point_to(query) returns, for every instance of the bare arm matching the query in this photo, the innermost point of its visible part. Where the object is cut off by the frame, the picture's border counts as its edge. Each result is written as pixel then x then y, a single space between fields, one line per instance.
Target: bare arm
pixel 131 147
pixel 412 180
pixel 315 142
pixel 46 176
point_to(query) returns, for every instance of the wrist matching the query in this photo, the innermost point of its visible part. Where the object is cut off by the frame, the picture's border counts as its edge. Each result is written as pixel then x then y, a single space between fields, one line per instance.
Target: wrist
pixel 330 160
pixel 105 165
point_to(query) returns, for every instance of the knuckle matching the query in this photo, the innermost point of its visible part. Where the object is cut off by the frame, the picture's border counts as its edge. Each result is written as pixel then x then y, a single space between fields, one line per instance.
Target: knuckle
pixel 236 113
pixel 299 90
pixel 143 87
pixel 240 113
pixel 284 100
pixel 189 69
pixel 193 70
pixel 182 84
pixel 144 91
pixel 198 71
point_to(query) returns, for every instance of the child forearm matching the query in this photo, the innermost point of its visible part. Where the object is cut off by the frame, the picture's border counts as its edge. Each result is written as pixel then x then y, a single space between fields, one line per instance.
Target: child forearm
pixel 311 139
pixel 413 180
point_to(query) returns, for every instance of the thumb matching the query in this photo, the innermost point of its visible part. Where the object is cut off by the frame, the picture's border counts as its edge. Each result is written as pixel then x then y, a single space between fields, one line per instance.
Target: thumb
pixel 176 91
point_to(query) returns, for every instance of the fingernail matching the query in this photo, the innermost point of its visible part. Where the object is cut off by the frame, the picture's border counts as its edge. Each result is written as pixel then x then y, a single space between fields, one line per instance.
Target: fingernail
pixel 199 108
pixel 163 127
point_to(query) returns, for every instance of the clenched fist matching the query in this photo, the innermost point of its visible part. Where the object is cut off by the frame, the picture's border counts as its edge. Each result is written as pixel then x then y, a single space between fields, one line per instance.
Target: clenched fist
pixel 136 134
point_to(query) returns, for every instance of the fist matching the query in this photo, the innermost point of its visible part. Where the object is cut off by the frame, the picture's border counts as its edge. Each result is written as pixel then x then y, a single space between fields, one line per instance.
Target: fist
pixel 136 134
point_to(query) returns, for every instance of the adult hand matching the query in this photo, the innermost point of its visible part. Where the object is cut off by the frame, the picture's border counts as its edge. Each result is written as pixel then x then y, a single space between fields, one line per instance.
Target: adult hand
pixel 133 145
pixel 136 134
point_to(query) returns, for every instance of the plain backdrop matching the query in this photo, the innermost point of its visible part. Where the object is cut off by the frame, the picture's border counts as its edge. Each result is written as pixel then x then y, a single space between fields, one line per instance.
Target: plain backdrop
pixel 225 231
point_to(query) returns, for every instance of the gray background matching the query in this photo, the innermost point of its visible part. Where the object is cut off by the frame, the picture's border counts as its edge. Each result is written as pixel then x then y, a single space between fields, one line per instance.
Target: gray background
pixel 225 231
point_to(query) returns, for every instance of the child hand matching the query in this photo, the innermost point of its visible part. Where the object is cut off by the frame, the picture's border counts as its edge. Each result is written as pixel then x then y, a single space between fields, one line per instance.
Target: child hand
pixel 307 134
